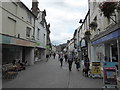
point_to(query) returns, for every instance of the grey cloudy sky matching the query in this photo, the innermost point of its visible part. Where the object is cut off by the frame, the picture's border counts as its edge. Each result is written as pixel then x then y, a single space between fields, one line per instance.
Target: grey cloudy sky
pixel 63 15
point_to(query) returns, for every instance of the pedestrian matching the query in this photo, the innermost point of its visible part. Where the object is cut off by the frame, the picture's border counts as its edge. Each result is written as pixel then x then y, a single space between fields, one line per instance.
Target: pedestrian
pixel 47 56
pixel 66 57
pixel 61 58
pixel 54 55
pixel 50 54
pixel 77 62
pixel 86 64
pixel 86 61
pixel 70 60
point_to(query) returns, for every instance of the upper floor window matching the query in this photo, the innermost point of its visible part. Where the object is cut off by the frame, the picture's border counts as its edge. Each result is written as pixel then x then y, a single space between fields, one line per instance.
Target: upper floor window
pixel 28 32
pixel 38 33
pixel 29 18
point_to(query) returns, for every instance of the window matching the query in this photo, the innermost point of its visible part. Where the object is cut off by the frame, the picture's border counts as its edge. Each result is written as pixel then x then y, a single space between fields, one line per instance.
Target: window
pixel 29 18
pixel 11 26
pixel 38 33
pixel 44 38
pixel 28 32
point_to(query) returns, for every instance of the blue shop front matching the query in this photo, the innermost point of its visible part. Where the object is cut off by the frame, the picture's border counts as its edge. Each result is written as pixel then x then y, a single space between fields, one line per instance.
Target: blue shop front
pixel 107 48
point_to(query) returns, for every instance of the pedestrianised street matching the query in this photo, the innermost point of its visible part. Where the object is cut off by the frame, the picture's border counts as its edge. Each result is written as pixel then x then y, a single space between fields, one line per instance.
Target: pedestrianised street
pixel 50 75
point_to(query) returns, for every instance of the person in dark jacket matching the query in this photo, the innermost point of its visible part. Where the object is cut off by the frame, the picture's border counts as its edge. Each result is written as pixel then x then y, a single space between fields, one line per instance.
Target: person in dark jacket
pixel 54 55
pixel 61 58
pixel 66 57
pixel 70 60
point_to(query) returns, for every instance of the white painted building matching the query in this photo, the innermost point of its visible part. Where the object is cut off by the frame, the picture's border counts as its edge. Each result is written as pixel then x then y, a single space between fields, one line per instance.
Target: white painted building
pixel 71 45
pixel 54 48
pixel 103 40
pixel 40 31
pixel 17 35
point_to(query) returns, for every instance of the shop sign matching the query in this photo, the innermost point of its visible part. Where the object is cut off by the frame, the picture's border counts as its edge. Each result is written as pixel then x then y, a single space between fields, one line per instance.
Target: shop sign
pixel 96 68
pixel 110 36
pixel 5 39
pixel 83 43
pixel 37 44
pixel 110 75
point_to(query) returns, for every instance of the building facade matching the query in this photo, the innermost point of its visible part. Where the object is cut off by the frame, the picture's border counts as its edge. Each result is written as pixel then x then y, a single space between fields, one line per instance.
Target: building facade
pixel 17 35
pixel 40 31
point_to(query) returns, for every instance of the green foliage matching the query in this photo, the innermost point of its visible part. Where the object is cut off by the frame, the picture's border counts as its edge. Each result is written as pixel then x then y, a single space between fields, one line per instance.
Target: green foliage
pixel 108 8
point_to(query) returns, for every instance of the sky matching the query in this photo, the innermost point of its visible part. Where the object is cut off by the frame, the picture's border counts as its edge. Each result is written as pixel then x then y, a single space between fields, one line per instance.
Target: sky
pixel 63 16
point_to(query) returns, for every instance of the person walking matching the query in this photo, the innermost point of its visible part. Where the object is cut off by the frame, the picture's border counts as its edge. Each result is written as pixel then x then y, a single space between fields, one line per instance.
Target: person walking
pixel 61 59
pixel 66 57
pixel 54 55
pixel 70 60
pixel 47 56
pixel 86 64
pixel 77 62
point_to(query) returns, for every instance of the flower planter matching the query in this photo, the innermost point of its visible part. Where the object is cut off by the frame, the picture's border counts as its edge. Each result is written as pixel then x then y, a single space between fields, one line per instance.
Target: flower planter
pixel 108 8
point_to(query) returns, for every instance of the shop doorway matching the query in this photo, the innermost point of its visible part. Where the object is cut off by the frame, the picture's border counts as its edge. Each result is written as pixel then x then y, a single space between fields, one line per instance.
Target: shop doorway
pixel 114 53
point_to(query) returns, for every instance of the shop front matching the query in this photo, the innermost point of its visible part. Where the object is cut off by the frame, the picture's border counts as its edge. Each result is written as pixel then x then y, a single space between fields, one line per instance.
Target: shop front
pixel 10 53
pixel 16 49
pixel 107 48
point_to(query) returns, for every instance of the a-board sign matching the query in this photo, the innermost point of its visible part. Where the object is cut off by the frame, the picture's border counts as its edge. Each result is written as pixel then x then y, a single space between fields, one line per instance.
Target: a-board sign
pixel 96 68
pixel 110 77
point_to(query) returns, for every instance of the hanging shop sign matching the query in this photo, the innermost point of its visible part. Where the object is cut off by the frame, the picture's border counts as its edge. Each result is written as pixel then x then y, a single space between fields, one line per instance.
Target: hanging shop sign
pixel 96 68
pixel 109 71
pixel 83 43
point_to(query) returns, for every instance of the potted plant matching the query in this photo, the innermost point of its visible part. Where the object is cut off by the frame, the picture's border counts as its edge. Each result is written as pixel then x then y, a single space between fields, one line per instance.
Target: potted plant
pixel 118 6
pixel 93 25
pixel 87 33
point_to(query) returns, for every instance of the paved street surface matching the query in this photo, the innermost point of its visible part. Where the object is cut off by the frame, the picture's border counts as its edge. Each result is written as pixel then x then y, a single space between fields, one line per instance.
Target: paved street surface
pixel 51 75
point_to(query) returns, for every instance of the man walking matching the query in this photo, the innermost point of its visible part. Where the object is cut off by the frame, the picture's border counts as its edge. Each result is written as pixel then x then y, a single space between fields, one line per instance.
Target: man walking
pixel 61 58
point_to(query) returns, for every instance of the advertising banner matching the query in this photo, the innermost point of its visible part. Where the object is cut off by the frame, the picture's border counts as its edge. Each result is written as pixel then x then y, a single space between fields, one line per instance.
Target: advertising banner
pixel 96 68
pixel 110 75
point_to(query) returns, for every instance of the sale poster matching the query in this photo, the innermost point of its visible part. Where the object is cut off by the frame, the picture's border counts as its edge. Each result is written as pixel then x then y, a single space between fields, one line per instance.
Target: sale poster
pixel 96 68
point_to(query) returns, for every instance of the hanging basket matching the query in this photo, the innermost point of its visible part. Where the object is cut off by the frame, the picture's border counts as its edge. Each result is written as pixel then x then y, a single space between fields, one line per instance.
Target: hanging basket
pixel 108 8
pixel 87 33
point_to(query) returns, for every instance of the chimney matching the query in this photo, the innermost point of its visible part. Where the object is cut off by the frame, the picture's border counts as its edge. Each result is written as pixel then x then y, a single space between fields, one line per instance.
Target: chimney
pixel 35 8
